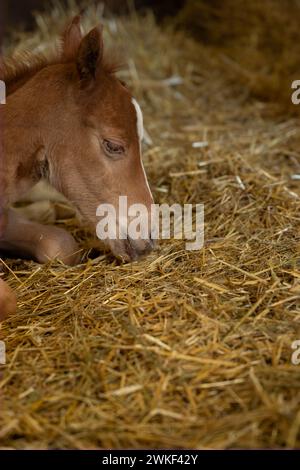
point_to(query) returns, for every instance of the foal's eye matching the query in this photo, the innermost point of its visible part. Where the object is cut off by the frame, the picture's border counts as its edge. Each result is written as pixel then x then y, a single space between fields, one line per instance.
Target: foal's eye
pixel 112 148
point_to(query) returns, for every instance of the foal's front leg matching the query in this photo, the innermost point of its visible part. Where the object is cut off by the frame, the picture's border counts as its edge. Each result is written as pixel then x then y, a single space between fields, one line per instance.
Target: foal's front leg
pixel 36 241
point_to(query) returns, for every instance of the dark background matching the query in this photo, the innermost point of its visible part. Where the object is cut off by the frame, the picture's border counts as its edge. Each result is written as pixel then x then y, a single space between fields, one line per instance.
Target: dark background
pixel 19 13
pixel 257 42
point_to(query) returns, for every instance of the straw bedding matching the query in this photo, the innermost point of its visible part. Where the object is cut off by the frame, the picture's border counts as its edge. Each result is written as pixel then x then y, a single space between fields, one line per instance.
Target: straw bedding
pixel 183 348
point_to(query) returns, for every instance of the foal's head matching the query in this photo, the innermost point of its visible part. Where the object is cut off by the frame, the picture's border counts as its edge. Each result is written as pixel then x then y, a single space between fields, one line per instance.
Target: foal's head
pixel 93 149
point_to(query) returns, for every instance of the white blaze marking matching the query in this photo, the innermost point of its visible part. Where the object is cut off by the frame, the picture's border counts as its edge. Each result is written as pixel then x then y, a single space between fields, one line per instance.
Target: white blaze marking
pixel 139 119
pixel 140 131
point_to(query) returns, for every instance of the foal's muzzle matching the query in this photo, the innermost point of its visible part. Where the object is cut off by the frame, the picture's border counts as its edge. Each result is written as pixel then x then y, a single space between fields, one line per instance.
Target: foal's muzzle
pixel 131 250
pixel 137 248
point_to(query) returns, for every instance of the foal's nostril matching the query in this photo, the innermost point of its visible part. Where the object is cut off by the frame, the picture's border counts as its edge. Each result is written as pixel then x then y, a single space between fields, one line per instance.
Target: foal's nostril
pixel 149 245
pixel 130 249
pixel 152 240
pixel 136 248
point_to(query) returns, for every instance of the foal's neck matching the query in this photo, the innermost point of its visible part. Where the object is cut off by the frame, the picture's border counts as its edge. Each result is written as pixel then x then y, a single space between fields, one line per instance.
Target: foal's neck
pixel 20 142
pixel 31 121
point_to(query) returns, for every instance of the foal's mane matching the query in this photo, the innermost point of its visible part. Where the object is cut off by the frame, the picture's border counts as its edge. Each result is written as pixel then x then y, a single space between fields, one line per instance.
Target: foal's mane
pixel 15 71
pixel 24 65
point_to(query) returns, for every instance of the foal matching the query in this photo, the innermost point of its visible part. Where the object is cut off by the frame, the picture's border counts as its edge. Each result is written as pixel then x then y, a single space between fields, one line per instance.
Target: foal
pixel 69 120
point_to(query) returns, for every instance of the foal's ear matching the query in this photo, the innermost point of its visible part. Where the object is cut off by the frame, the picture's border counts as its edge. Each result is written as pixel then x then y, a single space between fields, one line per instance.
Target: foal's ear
pixel 90 54
pixel 71 39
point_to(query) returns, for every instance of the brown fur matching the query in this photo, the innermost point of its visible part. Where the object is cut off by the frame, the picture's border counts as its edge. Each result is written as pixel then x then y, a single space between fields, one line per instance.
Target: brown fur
pixel 16 71
pixel 60 111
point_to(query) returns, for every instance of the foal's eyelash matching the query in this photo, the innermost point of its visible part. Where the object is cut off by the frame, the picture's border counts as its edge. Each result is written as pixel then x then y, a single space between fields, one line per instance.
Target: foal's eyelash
pixel 113 148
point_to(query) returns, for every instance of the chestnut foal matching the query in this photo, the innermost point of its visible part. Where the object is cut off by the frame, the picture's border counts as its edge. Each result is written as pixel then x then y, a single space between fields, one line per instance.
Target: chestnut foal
pixel 68 120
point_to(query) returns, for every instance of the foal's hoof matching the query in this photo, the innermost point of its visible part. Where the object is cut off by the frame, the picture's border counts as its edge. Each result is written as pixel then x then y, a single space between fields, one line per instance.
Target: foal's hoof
pixel 57 244
pixel 8 303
